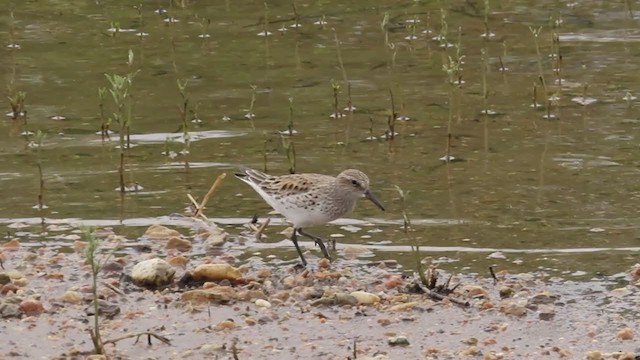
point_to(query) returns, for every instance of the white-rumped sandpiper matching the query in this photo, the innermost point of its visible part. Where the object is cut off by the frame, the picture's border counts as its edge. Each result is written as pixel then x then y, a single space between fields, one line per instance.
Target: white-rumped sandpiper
pixel 310 199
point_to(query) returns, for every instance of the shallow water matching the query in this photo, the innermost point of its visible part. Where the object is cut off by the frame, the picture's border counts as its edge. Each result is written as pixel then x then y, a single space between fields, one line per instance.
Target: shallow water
pixel 558 195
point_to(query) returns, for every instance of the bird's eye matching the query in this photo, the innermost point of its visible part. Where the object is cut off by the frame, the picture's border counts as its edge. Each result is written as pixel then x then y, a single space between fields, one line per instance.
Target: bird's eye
pixel 355 182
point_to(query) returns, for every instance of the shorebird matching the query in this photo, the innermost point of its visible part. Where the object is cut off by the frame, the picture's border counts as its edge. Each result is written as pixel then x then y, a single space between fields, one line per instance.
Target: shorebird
pixel 310 199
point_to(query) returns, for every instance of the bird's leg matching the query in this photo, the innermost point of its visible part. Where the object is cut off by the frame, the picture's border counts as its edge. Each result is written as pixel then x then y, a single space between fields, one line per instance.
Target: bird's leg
pixel 318 242
pixel 294 239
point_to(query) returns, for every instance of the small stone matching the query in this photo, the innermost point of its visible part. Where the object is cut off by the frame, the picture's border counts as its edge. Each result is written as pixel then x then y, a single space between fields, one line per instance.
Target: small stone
pixel 634 273
pixel 506 292
pixel 475 291
pixel 8 310
pixel 398 341
pixel 218 294
pixel 470 341
pixel 79 246
pixel 289 282
pixel 625 334
pixel 250 295
pixel 365 298
pixel 470 351
pixel 594 355
pixel 324 263
pixel 4 278
pixel 179 244
pixel 160 232
pixel 336 299
pixel 104 309
pixel 393 282
pixel 72 297
pixel 511 308
pixel 212 349
pixel 21 282
pixel 263 303
pixel 96 357
pixel 404 306
pixel 31 307
pixel 12 244
pixel 216 238
pixel 9 288
pixel 216 272
pixel 152 272
pixel 178 261
pixel 546 312
pixel 225 325
pixel 543 298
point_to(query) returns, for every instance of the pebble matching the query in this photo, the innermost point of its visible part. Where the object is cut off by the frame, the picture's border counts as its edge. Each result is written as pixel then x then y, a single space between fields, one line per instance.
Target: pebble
pixel 324 263
pixel 546 312
pixel 9 288
pixel 365 298
pixel 96 357
pixel 263 303
pixel 543 298
pixel 398 341
pixel 12 244
pixel 512 308
pixel 475 291
pixel 225 325
pixel 104 308
pixel 152 272
pixel 594 355
pixel 182 245
pixel 4 278
pixel 216 237
pixel 216 272
pixel 506 292
pixel 31 307
pixel 72 297
pixel 157 231
pixel 625 334
pixel 9 310
pixel 178 261
pixel 218 294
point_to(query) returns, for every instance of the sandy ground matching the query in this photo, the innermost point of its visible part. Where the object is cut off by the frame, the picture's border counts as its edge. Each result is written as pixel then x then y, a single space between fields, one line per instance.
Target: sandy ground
pixel 275 310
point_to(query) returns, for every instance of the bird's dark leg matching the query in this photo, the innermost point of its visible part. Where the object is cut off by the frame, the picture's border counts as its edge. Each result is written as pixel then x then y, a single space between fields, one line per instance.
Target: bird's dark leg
pixel 294 239
pixel 318 242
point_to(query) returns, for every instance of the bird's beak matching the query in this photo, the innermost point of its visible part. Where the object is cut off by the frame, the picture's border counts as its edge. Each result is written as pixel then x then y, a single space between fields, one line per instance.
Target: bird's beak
pixel 369 195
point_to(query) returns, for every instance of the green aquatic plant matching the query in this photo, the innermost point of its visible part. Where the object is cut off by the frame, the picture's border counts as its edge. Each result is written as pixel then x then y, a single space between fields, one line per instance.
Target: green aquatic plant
pixel 250 115
pixel 120 89
pixel 290 124
pixel 485 98
pixel 290 150
pixel 451 67
pixel 95 267
pixel 17 102
pixel 38 144
pixel 184 110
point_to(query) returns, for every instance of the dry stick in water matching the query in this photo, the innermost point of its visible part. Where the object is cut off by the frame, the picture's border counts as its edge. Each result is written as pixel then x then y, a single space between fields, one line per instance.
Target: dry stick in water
pixel 493 275
pixel 200 207
pixel 259 230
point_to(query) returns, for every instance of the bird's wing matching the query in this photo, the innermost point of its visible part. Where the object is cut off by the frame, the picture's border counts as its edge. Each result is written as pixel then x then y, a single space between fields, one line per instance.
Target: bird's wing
pixel 287 185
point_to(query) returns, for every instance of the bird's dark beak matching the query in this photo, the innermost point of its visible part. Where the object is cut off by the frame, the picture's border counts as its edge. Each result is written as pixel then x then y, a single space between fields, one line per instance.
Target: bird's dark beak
pixel 369 195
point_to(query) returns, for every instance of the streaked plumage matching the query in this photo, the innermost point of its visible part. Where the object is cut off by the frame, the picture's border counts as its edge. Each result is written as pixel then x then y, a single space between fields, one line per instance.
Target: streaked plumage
pixel 310 199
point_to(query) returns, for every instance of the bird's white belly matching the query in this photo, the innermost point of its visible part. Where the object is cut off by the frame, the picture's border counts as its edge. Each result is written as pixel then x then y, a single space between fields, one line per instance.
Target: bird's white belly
pixel 302 217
